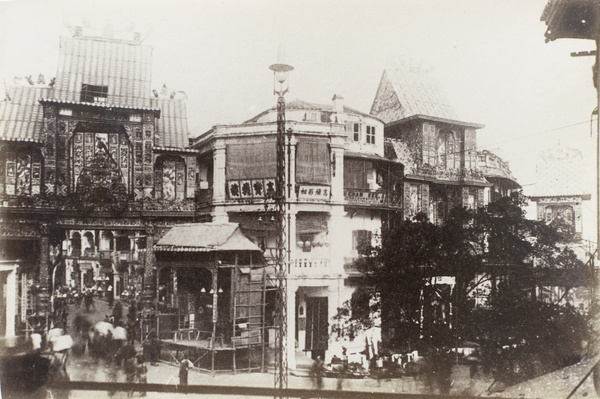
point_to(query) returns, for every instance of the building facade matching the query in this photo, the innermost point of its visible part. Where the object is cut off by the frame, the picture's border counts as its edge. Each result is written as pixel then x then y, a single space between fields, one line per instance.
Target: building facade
pixel 439 152
pixel 340 189
pixel 93 169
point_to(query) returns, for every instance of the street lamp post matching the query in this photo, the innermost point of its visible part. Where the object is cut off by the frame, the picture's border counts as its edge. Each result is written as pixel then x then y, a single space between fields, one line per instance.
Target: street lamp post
pixel 280 74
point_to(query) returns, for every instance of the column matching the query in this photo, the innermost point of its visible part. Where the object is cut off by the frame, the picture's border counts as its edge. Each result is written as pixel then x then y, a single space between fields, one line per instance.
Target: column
pixel 43 276
pixel 291 166
pixel 219 183
pixel 337 180
pixel 291 324
pixel 336 228
pixel 11 301
pixel 148 297
pixel 290 232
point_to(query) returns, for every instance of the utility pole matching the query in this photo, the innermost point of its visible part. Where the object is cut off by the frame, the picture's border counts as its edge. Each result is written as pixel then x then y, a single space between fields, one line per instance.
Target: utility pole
pixel 280 72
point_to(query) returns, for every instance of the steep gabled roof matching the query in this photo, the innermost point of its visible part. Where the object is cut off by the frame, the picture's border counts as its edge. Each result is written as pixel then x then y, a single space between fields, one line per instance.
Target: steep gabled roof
pixel 559 173
pixel 124 67
pixel 21 116
pixel 172 125
pixel 404 92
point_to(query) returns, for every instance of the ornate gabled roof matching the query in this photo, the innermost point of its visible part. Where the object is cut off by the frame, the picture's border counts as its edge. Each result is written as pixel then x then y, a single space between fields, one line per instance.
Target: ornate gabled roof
pixel 404 92
pixel 560 172
pixel 123 67
pixel 21 116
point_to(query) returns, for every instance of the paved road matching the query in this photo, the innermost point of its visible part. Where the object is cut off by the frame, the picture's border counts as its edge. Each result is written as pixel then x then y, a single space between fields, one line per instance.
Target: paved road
pixel 85 369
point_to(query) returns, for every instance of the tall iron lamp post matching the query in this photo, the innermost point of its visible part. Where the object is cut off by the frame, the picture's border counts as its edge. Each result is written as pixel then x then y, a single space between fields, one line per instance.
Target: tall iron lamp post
pixel 281 86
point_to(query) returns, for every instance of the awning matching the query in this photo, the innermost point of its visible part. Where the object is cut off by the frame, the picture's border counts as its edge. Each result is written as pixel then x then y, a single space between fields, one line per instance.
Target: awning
pixel 205 237
pixel 370 157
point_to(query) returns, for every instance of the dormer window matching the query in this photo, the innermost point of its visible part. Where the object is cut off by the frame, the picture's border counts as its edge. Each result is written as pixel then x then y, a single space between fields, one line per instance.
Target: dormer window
pixel 93 93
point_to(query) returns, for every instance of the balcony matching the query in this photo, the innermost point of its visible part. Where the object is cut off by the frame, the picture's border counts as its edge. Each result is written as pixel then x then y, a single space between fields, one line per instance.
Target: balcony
pixel 311 267
pixel 364 197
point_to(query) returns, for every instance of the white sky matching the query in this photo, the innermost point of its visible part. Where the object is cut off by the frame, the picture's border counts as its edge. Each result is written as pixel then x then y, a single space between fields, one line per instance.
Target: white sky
pixel 490 56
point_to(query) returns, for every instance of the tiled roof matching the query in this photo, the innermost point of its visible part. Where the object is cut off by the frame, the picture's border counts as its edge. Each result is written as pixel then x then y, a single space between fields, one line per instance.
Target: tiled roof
pixel 172 125
pixel 205 237
pixel 404 92
pixel 308 106
pixel 21 116
pixel 125 67
pixel 559 173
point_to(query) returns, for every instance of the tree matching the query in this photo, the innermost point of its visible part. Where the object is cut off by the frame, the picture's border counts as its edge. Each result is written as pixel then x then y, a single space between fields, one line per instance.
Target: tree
pixel 494 247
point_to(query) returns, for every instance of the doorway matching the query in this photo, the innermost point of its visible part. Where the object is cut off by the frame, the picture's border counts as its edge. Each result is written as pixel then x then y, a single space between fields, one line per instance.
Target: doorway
pixel 316 326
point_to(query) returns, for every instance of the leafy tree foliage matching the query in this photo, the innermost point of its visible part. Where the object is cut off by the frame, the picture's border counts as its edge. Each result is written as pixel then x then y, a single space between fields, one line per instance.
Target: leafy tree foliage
pixel 494 247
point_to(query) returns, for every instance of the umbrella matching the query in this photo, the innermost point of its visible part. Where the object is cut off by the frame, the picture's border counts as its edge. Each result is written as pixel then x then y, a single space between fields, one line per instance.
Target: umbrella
pixel 103 328
pixel 120 334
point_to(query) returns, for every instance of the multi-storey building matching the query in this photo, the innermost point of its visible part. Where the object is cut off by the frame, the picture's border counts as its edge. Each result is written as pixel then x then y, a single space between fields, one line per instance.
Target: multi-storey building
pixel 439 152
pixel 92 167
pixel 340 189
pixel 560 187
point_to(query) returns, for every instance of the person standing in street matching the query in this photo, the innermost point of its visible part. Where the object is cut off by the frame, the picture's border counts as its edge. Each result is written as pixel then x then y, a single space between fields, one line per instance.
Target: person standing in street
pixel 318 369
pixel 110 295
pixel 184 367
pixel 142 372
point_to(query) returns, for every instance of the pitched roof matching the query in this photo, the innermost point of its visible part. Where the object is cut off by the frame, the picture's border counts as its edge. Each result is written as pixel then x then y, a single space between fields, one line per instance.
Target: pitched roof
pixel 172 125
pixel 308 106
pixel 404 92
pixel 559 173
pixel 205 237
pixel 21 116
pixel 124 67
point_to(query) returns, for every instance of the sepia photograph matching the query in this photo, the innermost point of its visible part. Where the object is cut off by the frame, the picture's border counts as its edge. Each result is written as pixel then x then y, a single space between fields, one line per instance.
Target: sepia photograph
pixel 299 199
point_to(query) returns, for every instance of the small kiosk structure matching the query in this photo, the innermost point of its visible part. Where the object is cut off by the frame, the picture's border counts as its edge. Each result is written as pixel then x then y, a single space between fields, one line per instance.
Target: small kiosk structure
pixel 212 293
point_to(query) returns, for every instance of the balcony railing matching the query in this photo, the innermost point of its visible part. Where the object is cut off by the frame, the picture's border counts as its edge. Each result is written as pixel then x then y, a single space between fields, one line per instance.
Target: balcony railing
pixel 356 196
pixel 310 266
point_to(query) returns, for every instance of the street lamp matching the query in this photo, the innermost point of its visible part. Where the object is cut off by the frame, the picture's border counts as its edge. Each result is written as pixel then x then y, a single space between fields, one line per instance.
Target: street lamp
pixel 281 86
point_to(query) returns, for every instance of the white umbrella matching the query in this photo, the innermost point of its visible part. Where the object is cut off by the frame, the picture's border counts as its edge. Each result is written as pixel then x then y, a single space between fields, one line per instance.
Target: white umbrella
pixel 120 334
pixel 103 328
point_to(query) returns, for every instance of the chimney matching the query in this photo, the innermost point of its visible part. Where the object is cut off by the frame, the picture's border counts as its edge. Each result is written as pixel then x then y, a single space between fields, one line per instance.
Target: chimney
pixel 137 37
pixel 338 104
pixel 78 31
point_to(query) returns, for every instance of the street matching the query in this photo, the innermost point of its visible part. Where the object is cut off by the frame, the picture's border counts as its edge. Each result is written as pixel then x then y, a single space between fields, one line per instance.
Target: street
pixel 84 368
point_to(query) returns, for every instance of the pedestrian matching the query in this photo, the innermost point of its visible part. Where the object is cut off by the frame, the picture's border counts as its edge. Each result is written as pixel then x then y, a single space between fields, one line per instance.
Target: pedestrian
pixel 343 371
pixel 184 367
pixel 142 372
pixel 317 371
pixel 117 312
pixel 130 369
pixel 154 347
pixel 110 295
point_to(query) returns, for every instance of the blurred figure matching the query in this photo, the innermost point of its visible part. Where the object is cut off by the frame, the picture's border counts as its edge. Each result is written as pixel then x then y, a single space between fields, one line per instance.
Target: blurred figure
pixel 317 371
pixel 142 372
pixel 184 367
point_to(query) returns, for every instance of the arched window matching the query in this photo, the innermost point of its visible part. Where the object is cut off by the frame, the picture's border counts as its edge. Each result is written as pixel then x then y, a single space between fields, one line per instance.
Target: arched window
pixel 106 241
pixel 20 172
pixel 76 244
pixel 169 178
pixel 89 247
pixel 447 150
